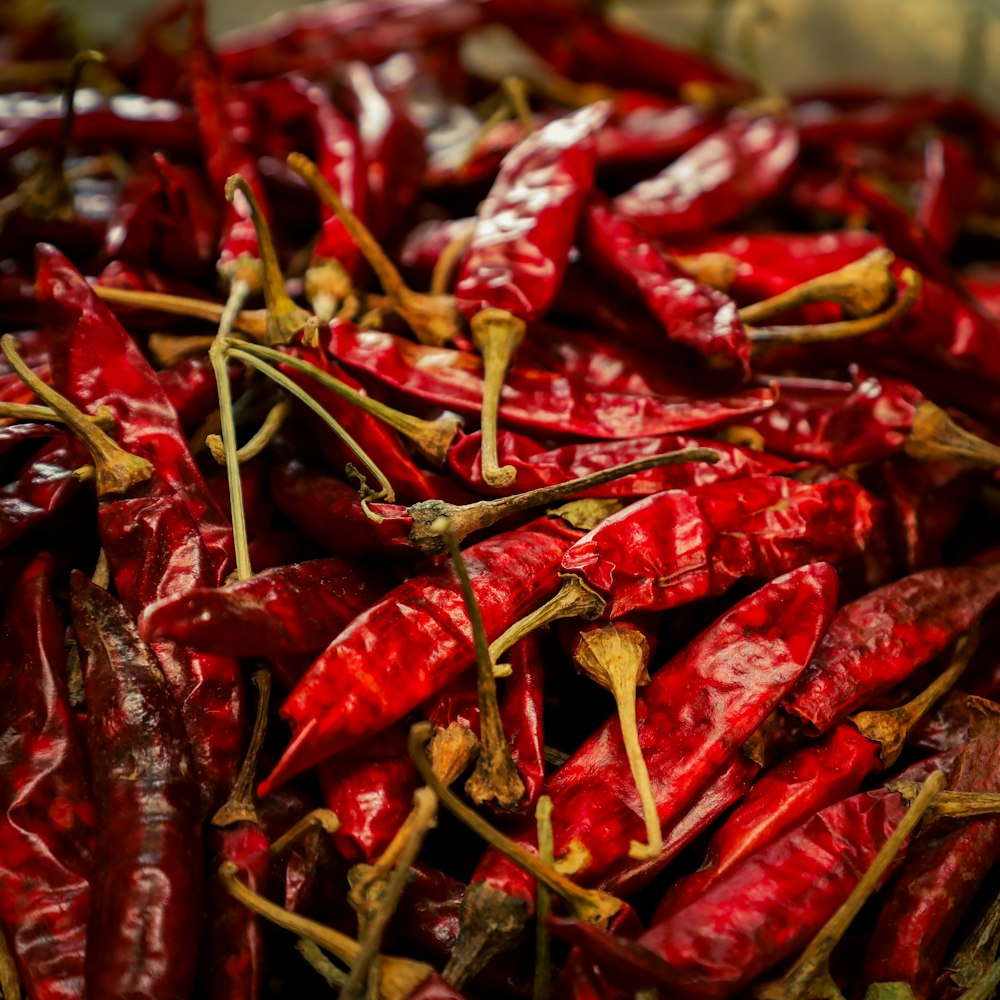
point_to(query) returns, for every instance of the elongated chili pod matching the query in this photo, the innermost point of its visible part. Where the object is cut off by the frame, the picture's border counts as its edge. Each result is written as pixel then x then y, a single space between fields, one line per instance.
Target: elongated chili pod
pixel 289 609
pixel 46 810
pixel 356 687
pixel 143 933
pixel 880 639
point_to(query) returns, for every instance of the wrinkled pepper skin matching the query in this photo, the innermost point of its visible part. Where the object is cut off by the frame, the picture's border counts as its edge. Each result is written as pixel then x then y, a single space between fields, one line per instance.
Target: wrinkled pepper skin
pixel 46 810
pixel 142 939
pixel 358 685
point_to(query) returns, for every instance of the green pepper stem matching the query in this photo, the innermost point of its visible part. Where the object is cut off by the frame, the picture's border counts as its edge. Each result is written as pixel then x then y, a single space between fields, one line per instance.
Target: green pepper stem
pixel 433 319
pixel 467 518
pixel 432 437
pixel 299 393
pixel 617 658
pixel 891 728
pixel 811 333
pixel 809 977
pixel 115 469
pixel 239 807
pixel 860 288
pixel 495 778
pixel 574 599
pixel 284 318
pixel 398 977
pixel 583 904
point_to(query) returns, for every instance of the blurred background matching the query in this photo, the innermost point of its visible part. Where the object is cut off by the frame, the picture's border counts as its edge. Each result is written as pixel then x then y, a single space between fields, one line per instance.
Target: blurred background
pixel 898 44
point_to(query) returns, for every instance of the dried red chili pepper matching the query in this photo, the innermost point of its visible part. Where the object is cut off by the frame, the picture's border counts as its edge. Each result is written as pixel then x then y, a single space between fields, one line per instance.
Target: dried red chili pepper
pixel 878 640
pixel 520 248
pixel 290 609
pixel 189 385
pixel 941 873
pixel 46 811
pixel 533 401
pixel 145 911
pixel 692 314
pixel 509 572
pixel 596 810
pixel 948 192
pixel 716 180
pixel 539 466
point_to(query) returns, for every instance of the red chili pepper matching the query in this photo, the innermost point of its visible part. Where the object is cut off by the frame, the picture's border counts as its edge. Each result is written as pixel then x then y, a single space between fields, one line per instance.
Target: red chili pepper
pixel 701 318
pixel 538 466
pixel 941 873
pixel 531 400
pixel 46 811
pixel 686 736
pixel 742 925
pixel 263 616
pixel 189 385
pixel 878 640
pixel 717 180
pixel 142 937
pixel 341 701
pixel 949 190
pixel 647 131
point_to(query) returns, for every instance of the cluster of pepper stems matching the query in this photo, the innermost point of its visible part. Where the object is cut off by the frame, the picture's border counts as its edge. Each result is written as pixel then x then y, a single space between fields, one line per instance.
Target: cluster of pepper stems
pixel 701 404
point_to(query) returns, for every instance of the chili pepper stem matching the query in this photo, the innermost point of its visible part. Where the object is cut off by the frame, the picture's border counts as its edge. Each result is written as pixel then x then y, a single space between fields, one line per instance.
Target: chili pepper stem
pixel 717 270
pixel 217 355
pixel 616 658
pixel 495 777
pixel 251 361
pixel 574 599
pixel 809 977
pixel 432 437
pixel 284 318
pixel 328 285
pixel 10 982
pixel 444 266
pixel 433 319
pixel 318 817
pixel 276 416
pixel 860 288
pixel 468 518
pixel 313 954
pixel 935 436
pixel 497 334
pixel 817 333
pixel 398 977
pixel 251 323
pixel 891 728
pixel 986 986
pixel 424 818
pixel 239 807
pixel 972 960
pixel 957 805
pixel 583 904
pixel 23 412
pixel 46 194
pixel 115 469
pixel 542 986
pixel 515 92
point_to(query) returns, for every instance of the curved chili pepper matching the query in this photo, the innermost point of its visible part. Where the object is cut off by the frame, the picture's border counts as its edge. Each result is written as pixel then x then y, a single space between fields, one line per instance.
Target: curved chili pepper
pixel 742 926
pixel 880 639
pixel 941 873
pixel 538 466
pixel 46 811
pixel 647 131
pixel 948 192
pixel 144 924
pixel 340 702
pixel 263 616
pixel 189 385
pixel 716 180
pixel 595 804
pixel 531 400
pixel 520 248
pixel 692 314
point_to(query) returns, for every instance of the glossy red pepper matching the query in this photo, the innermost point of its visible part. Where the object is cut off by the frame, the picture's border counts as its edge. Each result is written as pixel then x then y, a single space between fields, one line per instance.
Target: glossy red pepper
pixel 531 400
pixel 942 872
pixel 340 702
pixel 290 609
pixel 948 192
pixel 46 810
pixel 145 910
pixel 595 802
pixel 701 318
pixel 878 640
pixel 716 180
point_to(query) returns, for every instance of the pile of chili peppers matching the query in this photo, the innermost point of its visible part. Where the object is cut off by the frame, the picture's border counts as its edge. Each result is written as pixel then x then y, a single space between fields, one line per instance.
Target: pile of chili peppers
pixel 381 383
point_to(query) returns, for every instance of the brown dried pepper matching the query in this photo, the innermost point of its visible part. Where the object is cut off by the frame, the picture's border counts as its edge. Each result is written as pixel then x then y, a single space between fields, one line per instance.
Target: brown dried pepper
pixel 145 916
